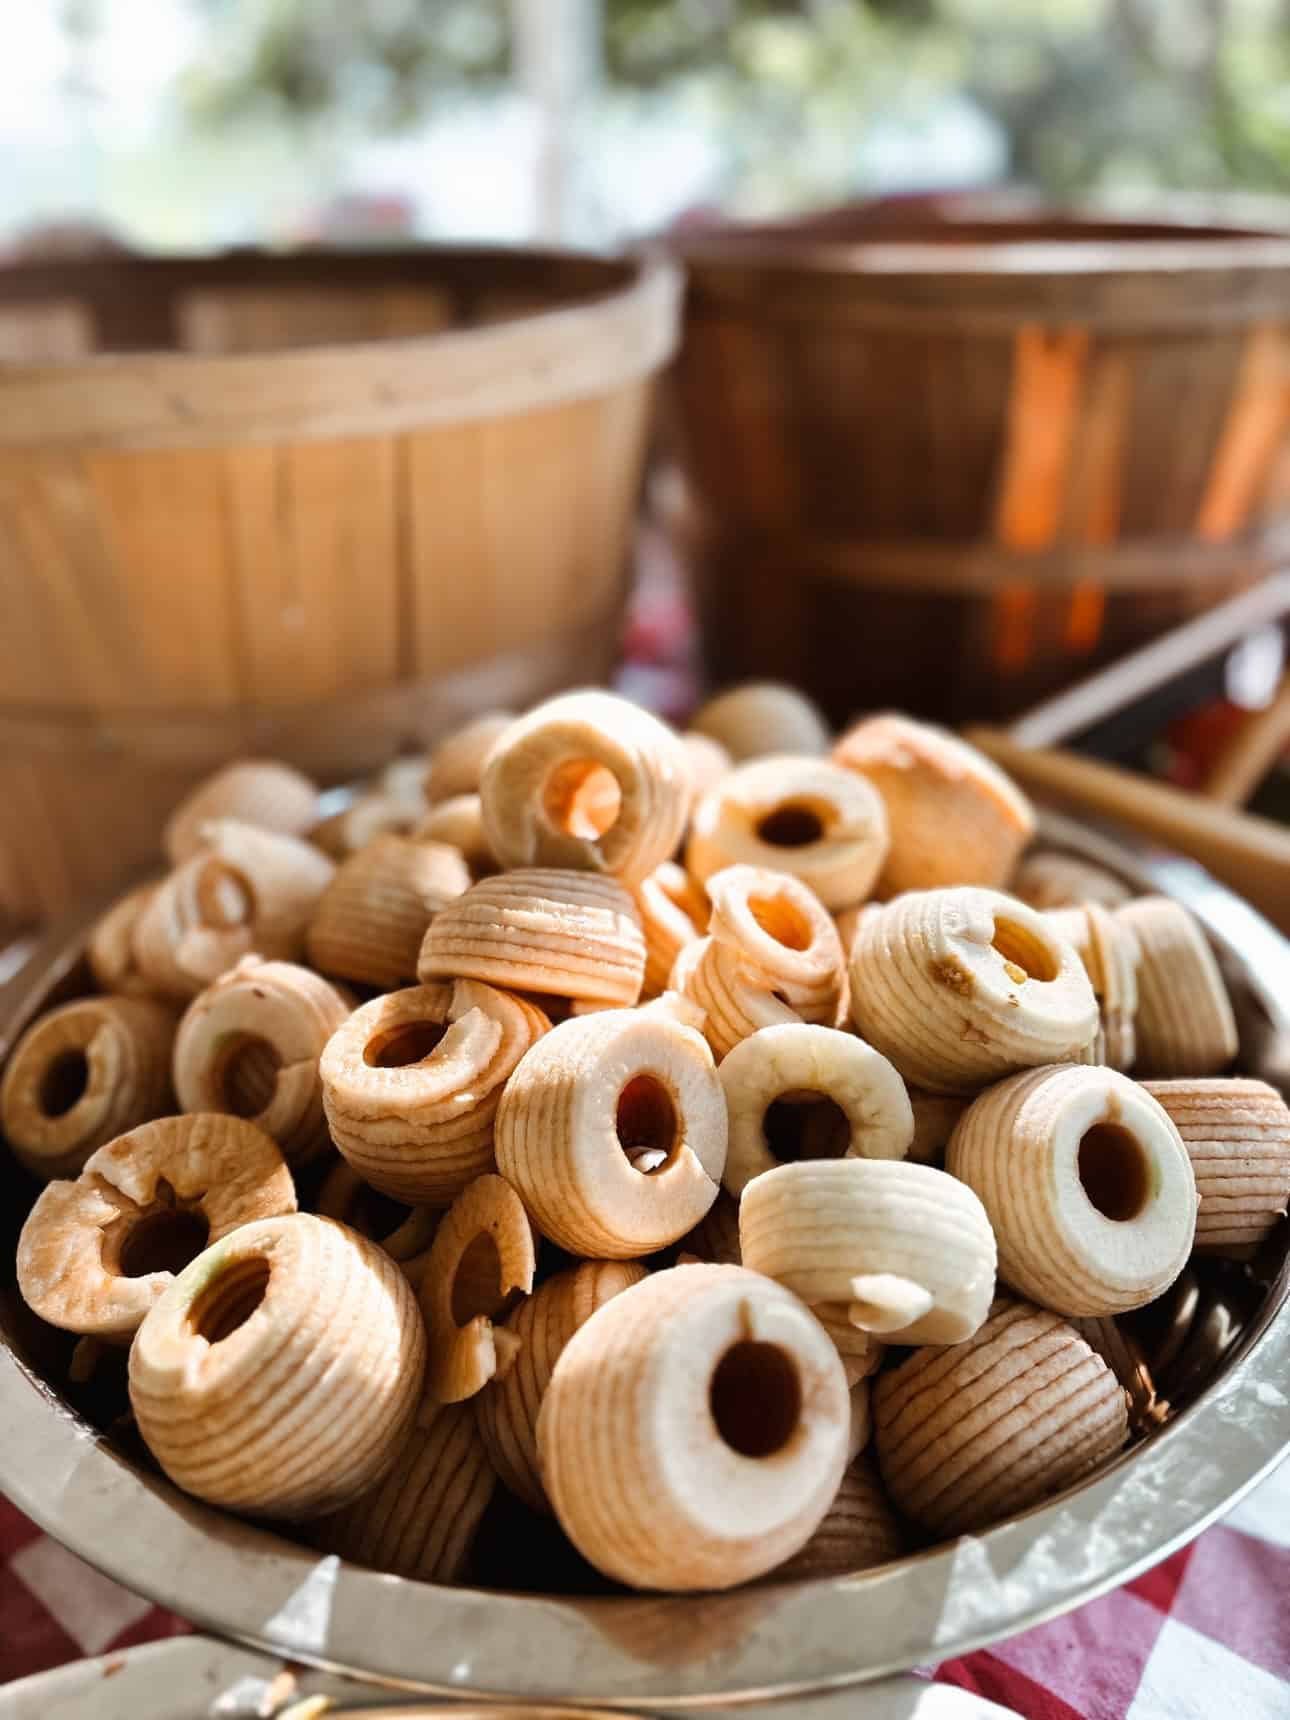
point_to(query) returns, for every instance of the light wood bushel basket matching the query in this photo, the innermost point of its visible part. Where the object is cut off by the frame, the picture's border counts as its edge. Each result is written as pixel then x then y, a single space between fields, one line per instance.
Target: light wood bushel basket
pixel 319 506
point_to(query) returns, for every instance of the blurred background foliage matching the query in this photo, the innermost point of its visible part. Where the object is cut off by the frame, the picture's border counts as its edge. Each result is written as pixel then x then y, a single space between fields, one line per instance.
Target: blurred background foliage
pixel 645 109
pixel 1089 93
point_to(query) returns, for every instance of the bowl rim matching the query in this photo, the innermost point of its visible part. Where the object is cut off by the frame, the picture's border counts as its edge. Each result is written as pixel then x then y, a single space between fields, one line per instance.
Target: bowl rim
pixel 769 1641
pixel 149 1680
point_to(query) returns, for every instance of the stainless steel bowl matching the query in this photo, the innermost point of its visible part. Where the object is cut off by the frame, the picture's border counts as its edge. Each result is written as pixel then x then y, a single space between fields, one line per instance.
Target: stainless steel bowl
pixel 193 1677
pixel 1231 1361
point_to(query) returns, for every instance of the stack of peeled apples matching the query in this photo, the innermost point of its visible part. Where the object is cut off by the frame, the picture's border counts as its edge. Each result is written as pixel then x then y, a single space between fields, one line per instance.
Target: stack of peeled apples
pixel 732 1143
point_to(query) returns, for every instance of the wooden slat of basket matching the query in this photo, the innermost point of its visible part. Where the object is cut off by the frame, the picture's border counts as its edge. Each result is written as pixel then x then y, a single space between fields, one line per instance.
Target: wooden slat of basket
pixel 539 474
pixel 337 517
pixel 595 432
pixel 1179 394
pixel 62 587
pixel 56 832
pixel 890 446
pixel 56 330
pixel 26 653
pixel 1274 503
pixel 543 469
pixel 1091 505
pixel 857 452
pixel 251 319
pixel 806 448
pixel 314 567
pixel 1043 414
pixel 709 443
pixel 1092 501
pixel 272 633
pixel 969 385
pixel 487 502
pixel 753 386
pixel 447 529
pixel 1048 373
pixel 623 424
pixel 1256 424
pixel 165 568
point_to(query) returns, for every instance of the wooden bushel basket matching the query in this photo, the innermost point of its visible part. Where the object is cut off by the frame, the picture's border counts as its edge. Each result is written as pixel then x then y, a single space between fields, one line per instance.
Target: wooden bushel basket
pixel 319 506
pixel 954 465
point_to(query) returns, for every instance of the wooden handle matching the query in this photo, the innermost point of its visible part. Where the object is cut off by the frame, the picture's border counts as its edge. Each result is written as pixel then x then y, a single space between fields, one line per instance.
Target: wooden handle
pixel 1252 752
pixel 1251 855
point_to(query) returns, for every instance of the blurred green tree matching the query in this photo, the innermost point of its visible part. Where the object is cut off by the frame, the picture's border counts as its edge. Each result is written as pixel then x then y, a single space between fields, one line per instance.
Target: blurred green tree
pixel 1092 94
pixel 378 60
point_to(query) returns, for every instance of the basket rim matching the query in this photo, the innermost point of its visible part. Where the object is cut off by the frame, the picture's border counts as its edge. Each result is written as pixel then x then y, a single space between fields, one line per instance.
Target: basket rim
pixel 1075 242
pixel 765 1641
pixel 471 271
pixel 905 280
pixel 159 397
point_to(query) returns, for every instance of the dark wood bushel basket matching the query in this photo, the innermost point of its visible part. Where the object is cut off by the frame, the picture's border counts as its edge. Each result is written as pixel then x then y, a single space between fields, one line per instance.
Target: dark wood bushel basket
pixel 956 464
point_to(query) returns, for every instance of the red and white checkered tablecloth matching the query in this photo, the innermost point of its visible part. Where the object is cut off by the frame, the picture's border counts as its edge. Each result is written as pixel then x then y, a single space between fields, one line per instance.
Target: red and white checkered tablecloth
pixel 1205 1633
